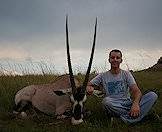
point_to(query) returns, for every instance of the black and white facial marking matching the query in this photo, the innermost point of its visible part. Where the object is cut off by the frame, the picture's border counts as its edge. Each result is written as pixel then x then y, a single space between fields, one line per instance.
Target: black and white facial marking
pixel 77 110
pixel 78 96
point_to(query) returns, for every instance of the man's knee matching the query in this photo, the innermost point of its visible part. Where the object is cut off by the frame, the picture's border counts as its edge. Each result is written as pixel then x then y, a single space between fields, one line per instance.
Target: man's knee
pixel 152 95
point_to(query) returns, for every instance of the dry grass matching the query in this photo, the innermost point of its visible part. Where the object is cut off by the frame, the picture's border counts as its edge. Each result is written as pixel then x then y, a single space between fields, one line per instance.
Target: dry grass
pixel 97 122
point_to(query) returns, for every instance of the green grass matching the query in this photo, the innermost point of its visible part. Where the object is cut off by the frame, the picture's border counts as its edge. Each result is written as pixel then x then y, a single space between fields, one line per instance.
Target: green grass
pixel 97 122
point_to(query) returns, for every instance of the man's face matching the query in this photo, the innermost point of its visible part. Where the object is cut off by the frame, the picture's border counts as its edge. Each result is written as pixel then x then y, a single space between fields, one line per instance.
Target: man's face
pixel 115 59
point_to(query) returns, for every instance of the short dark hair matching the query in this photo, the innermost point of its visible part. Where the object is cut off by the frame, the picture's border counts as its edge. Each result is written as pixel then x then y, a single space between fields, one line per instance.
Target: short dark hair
pixel 115 50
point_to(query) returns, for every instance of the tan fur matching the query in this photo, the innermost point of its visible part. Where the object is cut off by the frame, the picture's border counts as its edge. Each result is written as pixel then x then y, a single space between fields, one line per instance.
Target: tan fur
pixel 44 98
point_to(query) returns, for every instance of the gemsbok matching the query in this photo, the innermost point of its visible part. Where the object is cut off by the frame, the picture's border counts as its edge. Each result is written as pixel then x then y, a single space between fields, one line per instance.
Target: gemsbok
pixel 64 95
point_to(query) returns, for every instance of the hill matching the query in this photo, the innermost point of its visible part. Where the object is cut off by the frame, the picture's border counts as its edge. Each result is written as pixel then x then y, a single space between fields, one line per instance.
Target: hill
pixel 157 66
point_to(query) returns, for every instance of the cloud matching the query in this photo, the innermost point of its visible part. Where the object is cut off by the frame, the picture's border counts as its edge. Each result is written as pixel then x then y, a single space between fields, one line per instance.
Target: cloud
pixel 10 52
pixel 36 29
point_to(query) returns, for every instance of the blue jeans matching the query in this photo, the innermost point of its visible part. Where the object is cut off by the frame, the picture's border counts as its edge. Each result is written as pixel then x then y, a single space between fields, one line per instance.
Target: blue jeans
pixel 121 107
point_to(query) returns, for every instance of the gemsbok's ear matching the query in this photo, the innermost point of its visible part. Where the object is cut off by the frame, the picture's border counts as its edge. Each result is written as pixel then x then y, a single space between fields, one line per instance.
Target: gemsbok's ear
pixel 63 92
pixel 59 93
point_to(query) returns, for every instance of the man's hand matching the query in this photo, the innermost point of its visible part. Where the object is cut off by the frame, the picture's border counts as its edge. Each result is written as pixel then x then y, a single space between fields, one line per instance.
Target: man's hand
pixel 136 97
pixel 135 110
pixel 90 90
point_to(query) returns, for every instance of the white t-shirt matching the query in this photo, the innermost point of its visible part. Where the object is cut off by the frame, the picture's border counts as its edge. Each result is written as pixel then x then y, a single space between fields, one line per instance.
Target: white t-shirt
pixel 115 85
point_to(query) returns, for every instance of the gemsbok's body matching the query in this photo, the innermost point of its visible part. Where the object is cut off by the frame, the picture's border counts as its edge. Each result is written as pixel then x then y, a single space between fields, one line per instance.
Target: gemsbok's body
pixel 44 98
pixel 64 95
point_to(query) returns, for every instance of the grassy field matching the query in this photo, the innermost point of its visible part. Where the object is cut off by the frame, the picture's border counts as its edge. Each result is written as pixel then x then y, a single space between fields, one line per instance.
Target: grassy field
pixel 96 122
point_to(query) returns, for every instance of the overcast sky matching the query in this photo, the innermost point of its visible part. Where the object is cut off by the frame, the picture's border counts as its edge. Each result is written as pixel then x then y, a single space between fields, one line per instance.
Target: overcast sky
pixel 34 30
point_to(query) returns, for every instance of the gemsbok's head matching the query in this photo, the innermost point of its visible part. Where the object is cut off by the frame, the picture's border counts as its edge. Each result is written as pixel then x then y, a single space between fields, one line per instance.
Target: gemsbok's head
pixel 78 96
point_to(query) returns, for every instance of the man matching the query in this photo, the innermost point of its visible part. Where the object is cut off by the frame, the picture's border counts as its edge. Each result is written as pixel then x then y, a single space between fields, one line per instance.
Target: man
pixel 123 97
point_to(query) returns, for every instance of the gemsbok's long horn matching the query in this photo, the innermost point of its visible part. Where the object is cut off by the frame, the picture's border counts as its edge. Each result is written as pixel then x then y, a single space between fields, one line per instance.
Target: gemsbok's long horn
pixel 90 61
pixel 69 60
